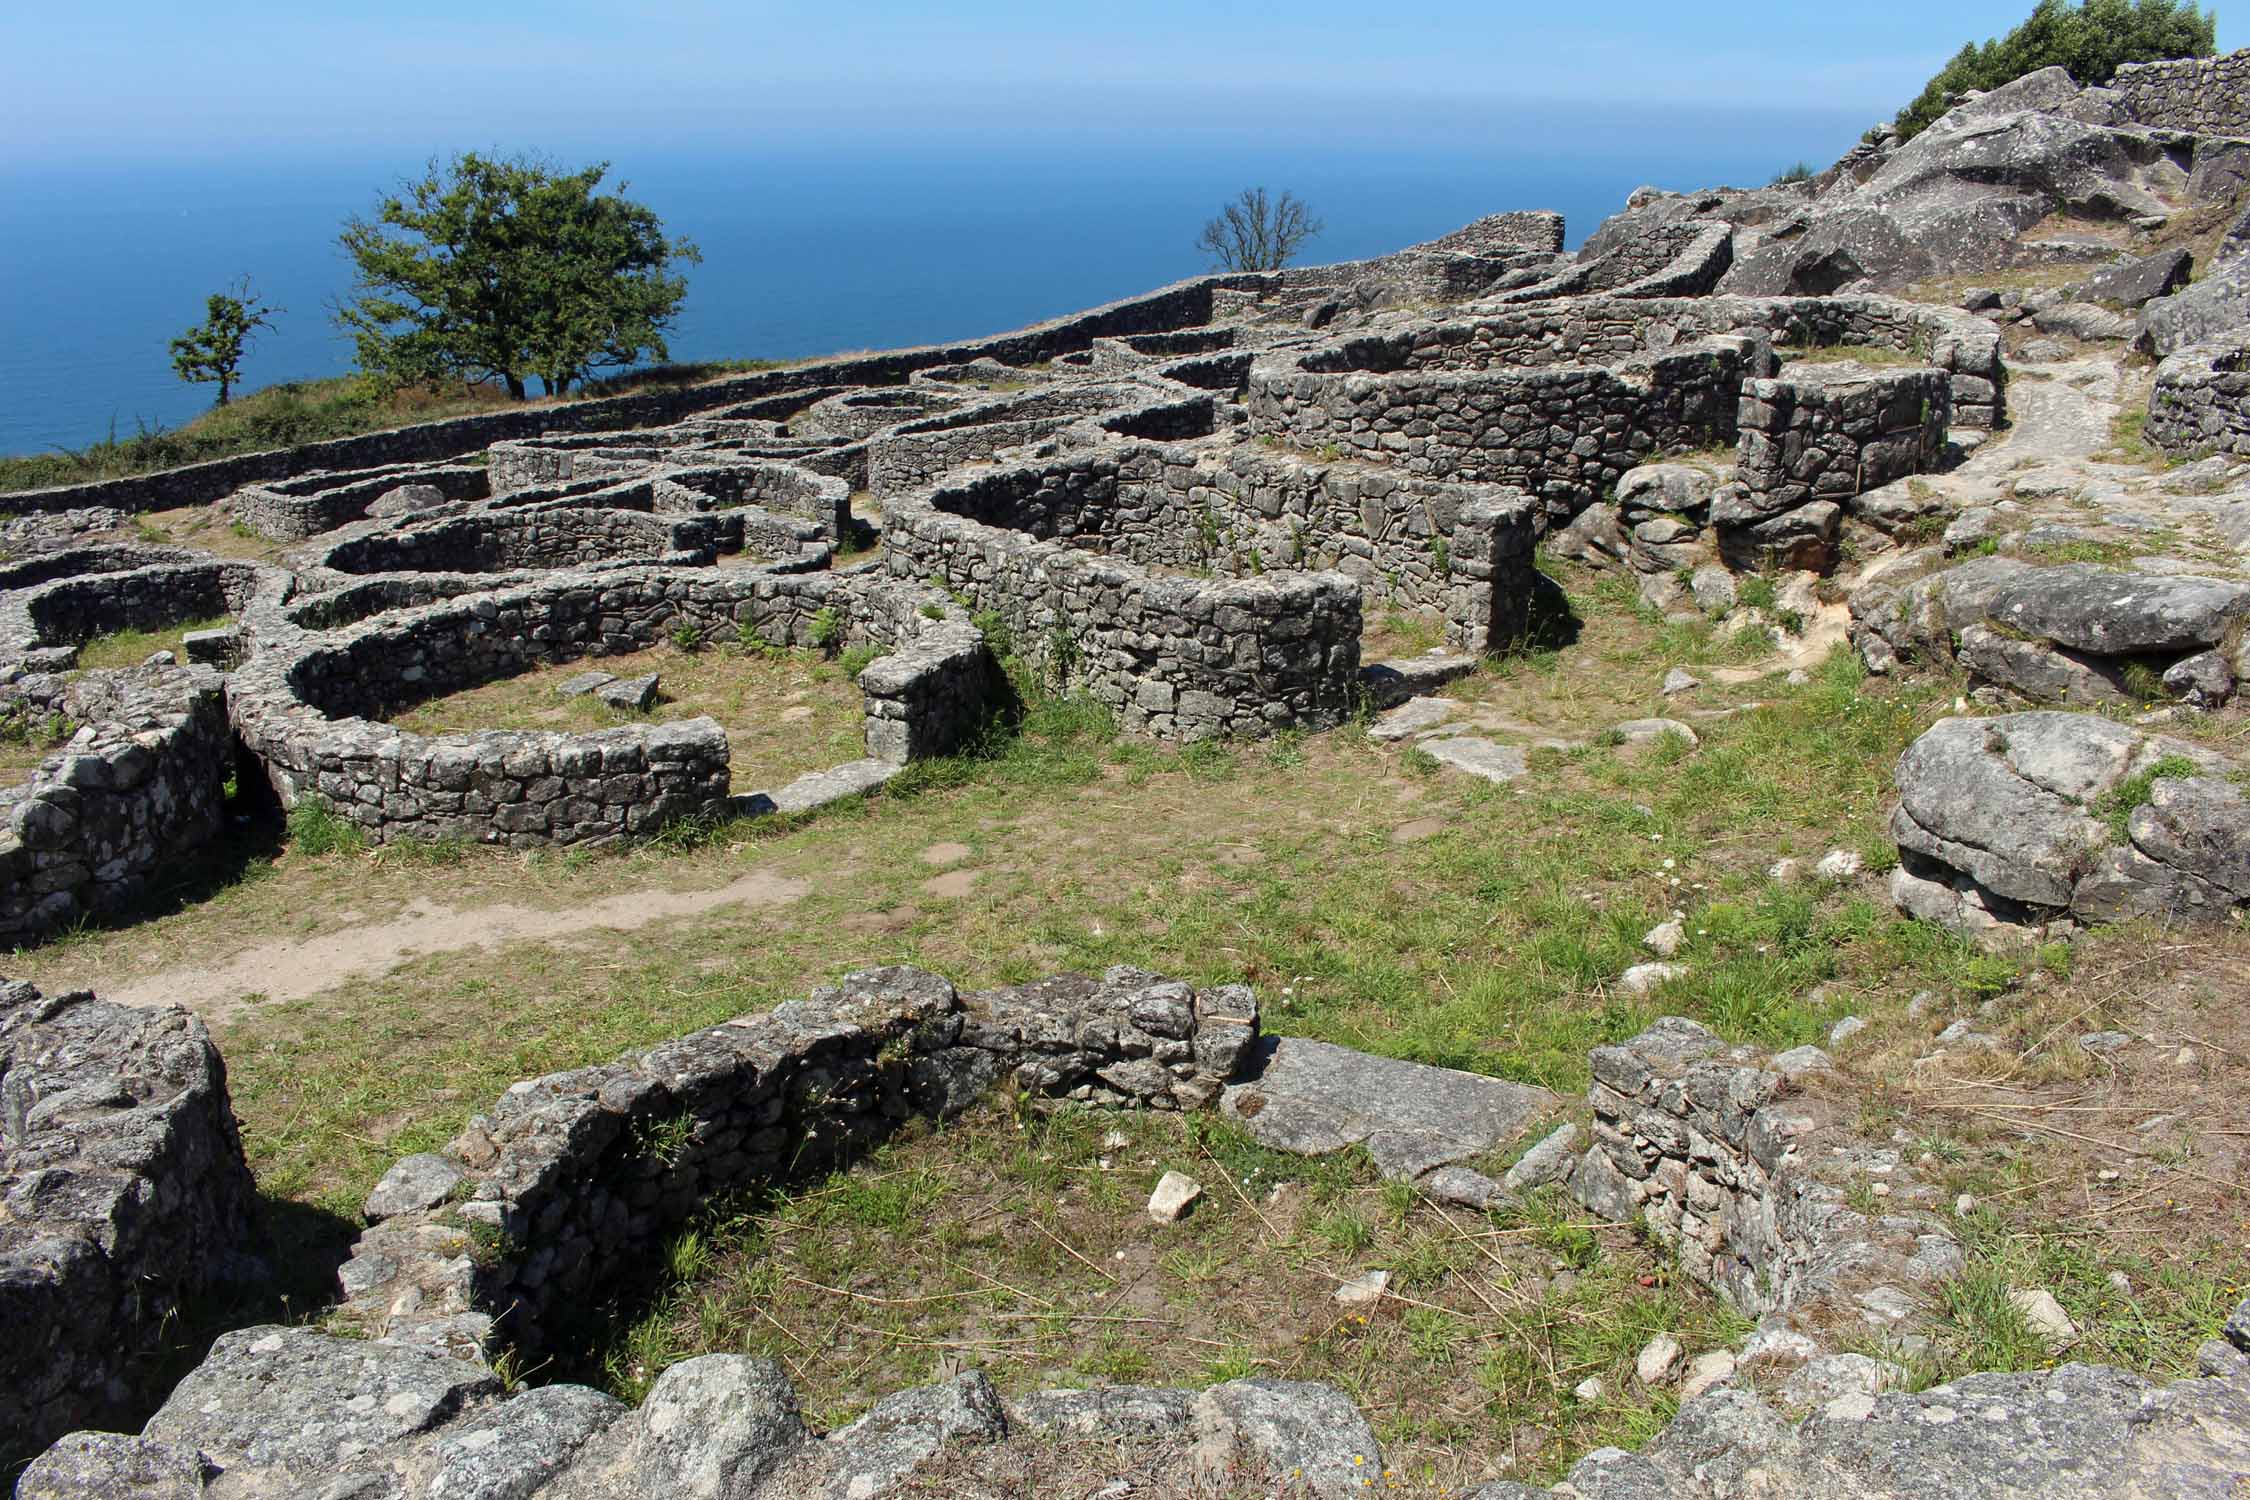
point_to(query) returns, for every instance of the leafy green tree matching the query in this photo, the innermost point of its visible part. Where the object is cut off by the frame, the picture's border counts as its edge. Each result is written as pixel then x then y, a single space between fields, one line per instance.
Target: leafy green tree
pixel 212 350
pixel 1258 233
pixel 2092 39
pixel 505 269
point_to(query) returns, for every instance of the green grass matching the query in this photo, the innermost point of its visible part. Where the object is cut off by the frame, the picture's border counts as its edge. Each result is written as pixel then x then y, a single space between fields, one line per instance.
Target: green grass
pixel 129 648
pixel 2117 805
pixel 1877 355
pixel 306 411
pixel 1014 1241
pixel 2153 1322
pixel 315 830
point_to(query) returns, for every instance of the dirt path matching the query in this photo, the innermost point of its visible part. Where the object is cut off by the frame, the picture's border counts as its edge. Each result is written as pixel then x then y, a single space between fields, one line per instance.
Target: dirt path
pixel 293 970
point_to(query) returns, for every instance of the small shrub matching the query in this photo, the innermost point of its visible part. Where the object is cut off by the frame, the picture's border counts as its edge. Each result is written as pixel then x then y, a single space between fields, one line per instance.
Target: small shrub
pixel 1796 172
pixel 687 638
pixel 933 611
pixel 827 631
pixel 857 659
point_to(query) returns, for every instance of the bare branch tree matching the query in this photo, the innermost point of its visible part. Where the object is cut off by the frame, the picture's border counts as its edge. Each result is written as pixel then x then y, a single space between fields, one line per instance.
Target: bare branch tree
pixel 1258 233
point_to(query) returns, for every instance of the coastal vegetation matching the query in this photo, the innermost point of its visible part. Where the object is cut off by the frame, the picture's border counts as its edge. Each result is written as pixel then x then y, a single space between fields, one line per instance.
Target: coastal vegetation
pixel 212 350
pixel 2092 39
pixel 505 269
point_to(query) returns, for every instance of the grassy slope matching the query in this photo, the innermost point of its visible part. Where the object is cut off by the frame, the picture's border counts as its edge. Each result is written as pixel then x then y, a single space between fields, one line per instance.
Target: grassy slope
pixel 1374 902
pixel 304 411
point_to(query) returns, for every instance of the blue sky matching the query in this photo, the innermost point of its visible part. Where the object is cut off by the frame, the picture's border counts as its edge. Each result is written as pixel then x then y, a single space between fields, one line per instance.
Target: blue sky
pixel 159 79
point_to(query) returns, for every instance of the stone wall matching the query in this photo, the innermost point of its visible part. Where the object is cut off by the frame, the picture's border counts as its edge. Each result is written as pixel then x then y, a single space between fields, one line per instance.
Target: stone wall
pixel 1184 304
pixel 137 788
pixel 289 510
pixel 310 706
pixel 1594 331
pixel 127 1203
pixel 2201 401
pixel 1729 1160
pixel 1564 434
pixel 576 1180
pixel 1816 436
pixel 44 626
pixel 551 536
pixel 1684 258
pixel 1179 657
pixel 75 562
pixel 2206 95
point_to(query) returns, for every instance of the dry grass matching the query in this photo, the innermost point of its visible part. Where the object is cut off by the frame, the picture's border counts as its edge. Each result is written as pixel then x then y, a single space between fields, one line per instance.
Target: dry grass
pixel 129 648
pixel 785 712
pixel 1018 1243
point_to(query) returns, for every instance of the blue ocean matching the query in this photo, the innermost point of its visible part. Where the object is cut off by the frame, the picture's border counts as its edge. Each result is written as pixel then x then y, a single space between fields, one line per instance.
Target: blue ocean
pixel 811 244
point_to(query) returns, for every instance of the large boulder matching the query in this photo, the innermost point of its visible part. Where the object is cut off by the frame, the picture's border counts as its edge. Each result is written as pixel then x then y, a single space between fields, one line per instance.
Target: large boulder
pixel 124 1198
pixel 2011 823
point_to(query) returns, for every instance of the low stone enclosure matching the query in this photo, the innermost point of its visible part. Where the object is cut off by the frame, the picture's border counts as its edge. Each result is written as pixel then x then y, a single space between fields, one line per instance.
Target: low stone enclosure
pixel 561 1193
pixel 309 709
pixel 1563 399
pixel 139 785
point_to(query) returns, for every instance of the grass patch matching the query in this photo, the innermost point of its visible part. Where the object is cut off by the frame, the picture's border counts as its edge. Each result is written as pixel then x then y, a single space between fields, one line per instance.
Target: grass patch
pixel 2117 805
pixel 1879 356
pixel 785 712
pixel 1029 1255
pixel 129 648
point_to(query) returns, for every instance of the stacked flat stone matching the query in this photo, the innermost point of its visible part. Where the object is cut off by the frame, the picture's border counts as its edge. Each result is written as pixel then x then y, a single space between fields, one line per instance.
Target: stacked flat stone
pixel 2205 95
pixel 1813 437
pixel 124 1202
pixel 1564 433
pixel 573 1179
pixel 137 788
pixel 2200 403
pixel 1749 1181
pixel 289 510
pixel 1176 657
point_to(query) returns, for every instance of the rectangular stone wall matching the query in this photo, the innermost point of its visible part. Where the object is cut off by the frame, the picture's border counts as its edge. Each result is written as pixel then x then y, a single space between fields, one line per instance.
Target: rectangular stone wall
pixel 1831 432
pixel 2206 95
pixel 1565 434
pixel 2200 403
pixel 1177 657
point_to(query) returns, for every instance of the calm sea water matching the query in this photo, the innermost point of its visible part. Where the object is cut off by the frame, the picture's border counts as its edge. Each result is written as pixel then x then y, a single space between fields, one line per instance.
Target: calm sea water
pixel 809 247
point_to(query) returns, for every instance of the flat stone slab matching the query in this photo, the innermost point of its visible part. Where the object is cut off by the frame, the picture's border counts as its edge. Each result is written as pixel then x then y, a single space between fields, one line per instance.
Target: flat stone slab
pixel 854 778
pixel 1496 763
pixel 633 694
pixel 583 683
pixel 1411 718
pixel 1390 683
pixel 1311 1098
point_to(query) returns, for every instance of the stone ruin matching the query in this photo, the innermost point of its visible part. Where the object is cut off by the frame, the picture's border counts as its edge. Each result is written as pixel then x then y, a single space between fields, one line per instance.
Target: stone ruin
pixel 121 1143
pixel 1186 506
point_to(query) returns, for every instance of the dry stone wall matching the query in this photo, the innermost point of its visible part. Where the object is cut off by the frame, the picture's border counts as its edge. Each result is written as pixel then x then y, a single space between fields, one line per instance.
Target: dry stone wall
pixel 289 510
pixel 2205 95
pixel 2201 401
pixel 1726 1159
pixel 1565 434
pixel 1814 437
pixel 579 1177
pixel 138 787
pixel 1184 304
pixel 1179 657
pixel 127 1202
